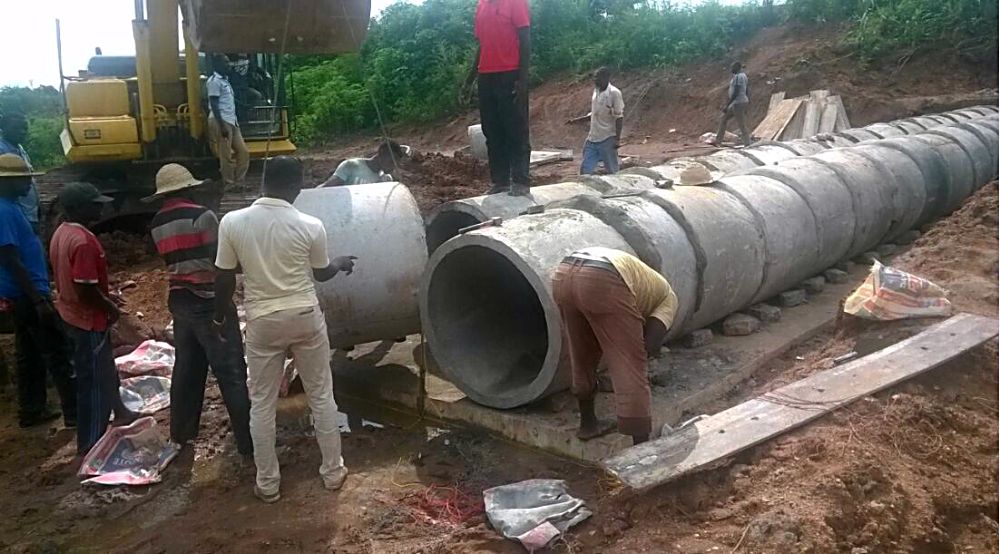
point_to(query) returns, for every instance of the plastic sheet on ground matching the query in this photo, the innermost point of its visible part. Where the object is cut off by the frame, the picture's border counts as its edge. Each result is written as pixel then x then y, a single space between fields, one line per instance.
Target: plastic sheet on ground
pixel 134 454
pixel 146 394
pixel 149 358
pixel 889 294
pixel 533 512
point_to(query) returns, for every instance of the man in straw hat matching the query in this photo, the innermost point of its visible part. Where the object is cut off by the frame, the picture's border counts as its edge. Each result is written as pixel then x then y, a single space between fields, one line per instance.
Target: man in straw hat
pixel 24 284
pixel 80 271
pixel 282 252
pixel 186 235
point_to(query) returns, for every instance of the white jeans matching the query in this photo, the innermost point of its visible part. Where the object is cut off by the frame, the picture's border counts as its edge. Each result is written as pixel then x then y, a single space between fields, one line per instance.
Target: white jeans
pixel 303 330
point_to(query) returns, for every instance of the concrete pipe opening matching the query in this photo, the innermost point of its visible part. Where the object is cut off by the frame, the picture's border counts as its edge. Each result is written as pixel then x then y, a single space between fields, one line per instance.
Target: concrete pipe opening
pixel 492 325
pixel 445 225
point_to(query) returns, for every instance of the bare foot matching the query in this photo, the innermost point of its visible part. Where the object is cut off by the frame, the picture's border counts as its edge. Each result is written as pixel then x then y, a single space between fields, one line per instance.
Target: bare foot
pixel 601 428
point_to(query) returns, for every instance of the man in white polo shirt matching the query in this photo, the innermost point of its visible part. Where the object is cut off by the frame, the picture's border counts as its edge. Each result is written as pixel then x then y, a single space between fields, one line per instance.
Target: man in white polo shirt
pixel 223 128
pixel 281 251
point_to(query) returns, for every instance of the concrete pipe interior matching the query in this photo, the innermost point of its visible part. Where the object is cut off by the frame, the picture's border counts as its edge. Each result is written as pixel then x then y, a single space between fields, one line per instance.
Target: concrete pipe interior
pixel 445 225
pixel 493 323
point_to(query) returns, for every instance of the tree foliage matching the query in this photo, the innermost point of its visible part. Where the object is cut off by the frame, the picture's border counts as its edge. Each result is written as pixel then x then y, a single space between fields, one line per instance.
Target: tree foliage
pixel 43 108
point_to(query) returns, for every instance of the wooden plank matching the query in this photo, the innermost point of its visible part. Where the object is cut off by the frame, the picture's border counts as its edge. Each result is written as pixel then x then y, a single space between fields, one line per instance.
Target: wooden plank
pixel 705 442
pixel 776 99
pixel 777 119
pixel 828 121
pixel 842 120
pixel 793 128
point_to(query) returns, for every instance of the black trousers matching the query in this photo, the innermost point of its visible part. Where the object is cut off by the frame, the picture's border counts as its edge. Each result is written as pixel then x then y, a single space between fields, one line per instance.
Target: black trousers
pixel 197 347
pixel 42 347
pixel 505 124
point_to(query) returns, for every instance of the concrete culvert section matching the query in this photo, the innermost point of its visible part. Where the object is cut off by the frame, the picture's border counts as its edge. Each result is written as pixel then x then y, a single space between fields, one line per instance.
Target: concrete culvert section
pixel 486 305
pixel 486 302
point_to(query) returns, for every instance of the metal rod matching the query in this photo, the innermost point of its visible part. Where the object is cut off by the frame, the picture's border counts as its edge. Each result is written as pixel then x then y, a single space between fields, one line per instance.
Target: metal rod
pixel 62 78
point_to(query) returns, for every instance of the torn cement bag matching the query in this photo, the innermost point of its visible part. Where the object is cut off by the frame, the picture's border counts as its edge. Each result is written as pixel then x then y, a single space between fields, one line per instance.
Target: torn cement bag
pixel 149 358
pixel 134 454
pixel 534 512
pixel 889 293
pixel 146 394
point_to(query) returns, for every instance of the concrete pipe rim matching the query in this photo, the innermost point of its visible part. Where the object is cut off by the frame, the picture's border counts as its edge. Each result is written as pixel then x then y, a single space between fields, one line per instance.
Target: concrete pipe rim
pixel 544 375
pixel 448 217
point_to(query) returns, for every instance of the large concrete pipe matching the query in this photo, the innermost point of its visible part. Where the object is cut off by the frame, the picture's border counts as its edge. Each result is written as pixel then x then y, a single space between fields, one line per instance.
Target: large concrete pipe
pixel 445 221
pixel 486 305
pixel 380 224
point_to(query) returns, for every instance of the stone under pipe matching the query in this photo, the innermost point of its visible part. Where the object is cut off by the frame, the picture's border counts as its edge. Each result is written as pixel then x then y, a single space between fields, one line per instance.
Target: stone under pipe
pixel 447 219
pixel 485 300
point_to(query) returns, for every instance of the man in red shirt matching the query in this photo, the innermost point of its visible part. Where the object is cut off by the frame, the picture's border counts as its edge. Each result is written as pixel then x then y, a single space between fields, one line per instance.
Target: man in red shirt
pixel 80 270
pixel 503 28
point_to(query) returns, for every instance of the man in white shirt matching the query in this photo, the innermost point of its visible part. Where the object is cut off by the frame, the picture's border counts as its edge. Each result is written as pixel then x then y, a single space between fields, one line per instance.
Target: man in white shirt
pixel 362 171
pixel 223 128
pixel 281 251
pixel 607 115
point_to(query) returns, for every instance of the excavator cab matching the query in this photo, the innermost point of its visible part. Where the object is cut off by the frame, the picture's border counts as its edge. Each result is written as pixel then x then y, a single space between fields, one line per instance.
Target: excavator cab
pixel 128 115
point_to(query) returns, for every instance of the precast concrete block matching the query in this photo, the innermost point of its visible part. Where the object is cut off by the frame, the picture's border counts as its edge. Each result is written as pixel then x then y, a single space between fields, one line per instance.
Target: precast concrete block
pixel 764 312
pixel 836 276
pixel 790 298
pixel 731 241
pixel 828 198
pixel 792 249
pixel 814 285
pixel 807 147
pixel 697 338
pixel 740 325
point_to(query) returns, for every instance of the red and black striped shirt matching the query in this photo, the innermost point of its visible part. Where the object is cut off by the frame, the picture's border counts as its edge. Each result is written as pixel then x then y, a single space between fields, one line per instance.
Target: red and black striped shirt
pixel 186 235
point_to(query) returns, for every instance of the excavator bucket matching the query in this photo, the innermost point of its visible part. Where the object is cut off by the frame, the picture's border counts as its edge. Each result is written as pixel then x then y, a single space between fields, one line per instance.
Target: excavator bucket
pixel 275 26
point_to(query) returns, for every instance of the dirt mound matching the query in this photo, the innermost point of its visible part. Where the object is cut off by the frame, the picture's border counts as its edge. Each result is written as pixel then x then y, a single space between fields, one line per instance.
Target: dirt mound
pixel 126 250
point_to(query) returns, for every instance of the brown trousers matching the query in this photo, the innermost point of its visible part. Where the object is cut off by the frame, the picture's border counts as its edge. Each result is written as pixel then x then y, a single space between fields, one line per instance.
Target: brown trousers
pixel 600 316
pixel 234 157
pixel 739 111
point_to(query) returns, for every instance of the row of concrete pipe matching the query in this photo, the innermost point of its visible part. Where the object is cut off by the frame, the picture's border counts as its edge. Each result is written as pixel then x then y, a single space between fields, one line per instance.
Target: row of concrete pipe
pixel 783 212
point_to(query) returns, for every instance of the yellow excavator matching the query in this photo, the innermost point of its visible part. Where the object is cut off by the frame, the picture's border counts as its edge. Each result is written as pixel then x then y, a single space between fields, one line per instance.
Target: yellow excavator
pixel 127 116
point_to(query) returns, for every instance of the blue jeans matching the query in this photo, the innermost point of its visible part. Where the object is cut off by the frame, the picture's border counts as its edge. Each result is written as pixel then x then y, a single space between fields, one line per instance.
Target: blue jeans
pixel 603 151
pixel 97 385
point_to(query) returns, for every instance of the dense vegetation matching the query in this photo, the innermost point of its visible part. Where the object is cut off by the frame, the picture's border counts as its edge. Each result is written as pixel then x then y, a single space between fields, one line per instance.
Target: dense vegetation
pixel 416 56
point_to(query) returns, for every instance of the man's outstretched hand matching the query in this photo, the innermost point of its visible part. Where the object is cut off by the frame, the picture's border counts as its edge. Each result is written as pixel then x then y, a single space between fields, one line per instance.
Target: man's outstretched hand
pixel 345 264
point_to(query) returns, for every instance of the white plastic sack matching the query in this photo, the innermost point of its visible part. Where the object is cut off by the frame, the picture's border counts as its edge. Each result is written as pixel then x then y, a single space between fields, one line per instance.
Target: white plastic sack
pixel 890 293
pixel 534 512
pixel 135 454
pixel 146 394
pixel 149 358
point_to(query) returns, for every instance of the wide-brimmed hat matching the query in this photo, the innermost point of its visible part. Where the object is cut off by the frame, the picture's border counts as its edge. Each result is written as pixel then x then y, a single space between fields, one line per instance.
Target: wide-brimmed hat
pixel 172 178
pixel 697 174
pixel 12 165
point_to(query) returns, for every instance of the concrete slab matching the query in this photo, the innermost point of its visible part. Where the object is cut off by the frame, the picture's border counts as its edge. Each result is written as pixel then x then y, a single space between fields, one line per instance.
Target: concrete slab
pixel 385 376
